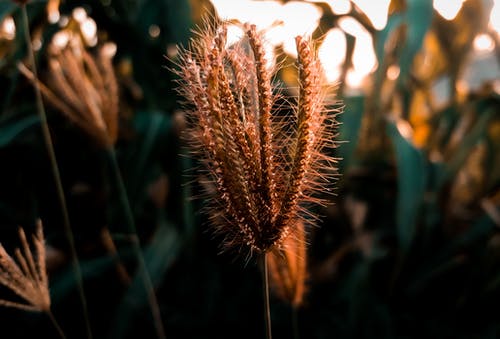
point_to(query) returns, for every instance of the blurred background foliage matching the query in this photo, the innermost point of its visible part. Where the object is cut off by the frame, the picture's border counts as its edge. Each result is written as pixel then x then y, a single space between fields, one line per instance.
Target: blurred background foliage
pixel 411 246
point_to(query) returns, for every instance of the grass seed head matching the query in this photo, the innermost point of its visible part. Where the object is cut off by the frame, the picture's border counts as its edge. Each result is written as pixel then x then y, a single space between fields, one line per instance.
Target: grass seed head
pixel 262 164
pixel 27 277
pixel 83 87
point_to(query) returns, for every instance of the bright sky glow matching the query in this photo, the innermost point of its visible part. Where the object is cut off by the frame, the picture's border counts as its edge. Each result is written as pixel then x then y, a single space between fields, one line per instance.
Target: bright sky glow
pixel 355 79
pixel 363 58
pixel 448 8
pixel 261 13
pixel 334 41
pixel 301 18
pixel 376 10
pixel 495 16
pixel 484 43
pixel 338 6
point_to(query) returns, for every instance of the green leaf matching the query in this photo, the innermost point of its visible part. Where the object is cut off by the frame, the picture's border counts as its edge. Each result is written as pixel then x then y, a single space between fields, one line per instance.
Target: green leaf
pixel 6 8
pixel 418 17
pixel 350 121
pixel 11 130
pixel 393 22
pixel 158 257
pixel 91 269
pixel 448 258
pixel 411 185
pixel 469 141
pixel 153 129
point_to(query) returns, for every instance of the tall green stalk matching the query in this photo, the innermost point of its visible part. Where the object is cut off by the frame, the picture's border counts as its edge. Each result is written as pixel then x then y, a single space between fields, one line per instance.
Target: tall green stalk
pixel 136 246
pixel 55 171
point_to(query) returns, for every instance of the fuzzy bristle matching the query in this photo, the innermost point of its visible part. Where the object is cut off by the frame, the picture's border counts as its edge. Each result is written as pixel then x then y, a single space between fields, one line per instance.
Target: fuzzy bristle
pixel 83 88
pixel 28 277
pixel 263 167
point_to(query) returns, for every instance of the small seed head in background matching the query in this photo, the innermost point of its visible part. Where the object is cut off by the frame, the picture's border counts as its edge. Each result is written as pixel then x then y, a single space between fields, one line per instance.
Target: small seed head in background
pixel 27 277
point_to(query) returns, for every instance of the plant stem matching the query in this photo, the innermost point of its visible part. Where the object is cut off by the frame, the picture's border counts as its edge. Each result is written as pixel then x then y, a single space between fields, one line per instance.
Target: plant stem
pixel 56 324
pixel 295 322
pixel 265 287
pixel 55 171
pixel 136 246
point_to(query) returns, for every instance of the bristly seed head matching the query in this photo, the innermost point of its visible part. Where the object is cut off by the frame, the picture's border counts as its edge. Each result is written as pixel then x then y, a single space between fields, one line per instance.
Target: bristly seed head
pixel 266 165
pixel 27 277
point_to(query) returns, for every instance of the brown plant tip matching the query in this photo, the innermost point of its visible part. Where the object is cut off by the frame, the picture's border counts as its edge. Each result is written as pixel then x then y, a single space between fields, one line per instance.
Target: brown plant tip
pixel 83 87
pixel 264 162
pixel 287 267
pixel 27 277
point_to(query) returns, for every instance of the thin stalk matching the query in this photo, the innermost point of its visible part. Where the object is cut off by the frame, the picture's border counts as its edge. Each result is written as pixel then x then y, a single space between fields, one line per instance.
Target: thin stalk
pixel 265 288
pixel 295 322
pixel 136 246
pixel 55 171
pixel 56 324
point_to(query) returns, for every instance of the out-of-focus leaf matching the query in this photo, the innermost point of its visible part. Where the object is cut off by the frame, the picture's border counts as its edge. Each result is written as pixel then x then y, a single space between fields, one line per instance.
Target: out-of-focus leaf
pixel 10 130
pixel 66 283
pixel 349 129
pixel 158 257
pixel 162 13
pixel 477 132
pixel 449 257
pixel 153 129
pixel 6 8
pixel 411 185
pixel 418 17
pixel 383 36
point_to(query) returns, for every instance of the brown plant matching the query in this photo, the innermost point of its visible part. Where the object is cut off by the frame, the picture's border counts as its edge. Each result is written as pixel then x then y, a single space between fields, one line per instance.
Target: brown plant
pixel 28 277
pixel 265 165
pixel 287 267
pixel 83 87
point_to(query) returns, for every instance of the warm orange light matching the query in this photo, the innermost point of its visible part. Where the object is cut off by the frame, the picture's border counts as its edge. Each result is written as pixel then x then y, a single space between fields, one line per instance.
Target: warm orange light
pixel 393 72
pixel 53 14
pixel 363 57
pixel 355 79
pixel 8 28
pixel 484 43
pixel 282 22
pixel 332 53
